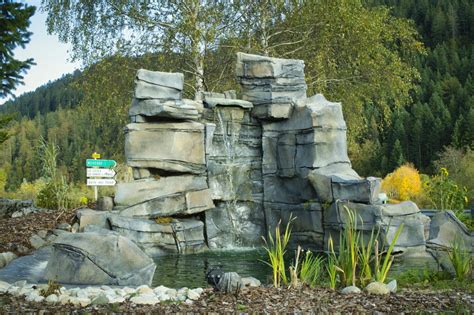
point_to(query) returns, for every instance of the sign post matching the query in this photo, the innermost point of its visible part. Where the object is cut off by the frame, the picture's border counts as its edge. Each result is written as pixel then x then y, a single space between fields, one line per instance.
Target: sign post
pixel 98 169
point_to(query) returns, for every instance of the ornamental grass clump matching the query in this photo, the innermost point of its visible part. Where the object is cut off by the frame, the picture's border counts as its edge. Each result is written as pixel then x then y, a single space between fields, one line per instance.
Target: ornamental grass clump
pixel 382 268
pixel 275 247
pixel 460 257
pixel 357 262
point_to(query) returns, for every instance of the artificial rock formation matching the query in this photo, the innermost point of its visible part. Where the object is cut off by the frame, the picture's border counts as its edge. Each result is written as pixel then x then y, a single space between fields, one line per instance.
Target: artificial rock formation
pixel 221 172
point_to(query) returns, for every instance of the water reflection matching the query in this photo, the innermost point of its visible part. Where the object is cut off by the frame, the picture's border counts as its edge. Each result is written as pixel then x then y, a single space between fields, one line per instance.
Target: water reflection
pixel 178 271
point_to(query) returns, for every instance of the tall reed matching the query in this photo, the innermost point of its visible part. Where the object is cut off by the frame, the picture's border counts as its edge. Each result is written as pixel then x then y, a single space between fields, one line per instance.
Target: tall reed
pixel 381 271
pixel 460 257
pixel 275 247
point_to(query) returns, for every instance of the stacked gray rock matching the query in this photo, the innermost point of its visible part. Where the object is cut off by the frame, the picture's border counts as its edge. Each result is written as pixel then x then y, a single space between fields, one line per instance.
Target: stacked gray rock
pixel 233 160
pixel 165 146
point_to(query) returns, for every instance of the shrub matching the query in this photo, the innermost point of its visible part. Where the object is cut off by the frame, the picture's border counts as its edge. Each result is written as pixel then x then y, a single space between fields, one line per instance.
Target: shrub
pixel 403 184
pixel 444 194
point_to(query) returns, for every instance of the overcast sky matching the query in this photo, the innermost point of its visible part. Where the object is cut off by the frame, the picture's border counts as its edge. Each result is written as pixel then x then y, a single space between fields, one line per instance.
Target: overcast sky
pixel 50 55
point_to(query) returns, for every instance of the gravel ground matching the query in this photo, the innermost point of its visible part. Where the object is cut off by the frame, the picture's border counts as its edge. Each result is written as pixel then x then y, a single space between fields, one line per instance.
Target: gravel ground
pixel 270 300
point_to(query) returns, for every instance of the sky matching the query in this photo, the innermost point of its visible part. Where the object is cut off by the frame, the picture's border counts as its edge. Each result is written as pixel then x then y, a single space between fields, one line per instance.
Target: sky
pixel 50 55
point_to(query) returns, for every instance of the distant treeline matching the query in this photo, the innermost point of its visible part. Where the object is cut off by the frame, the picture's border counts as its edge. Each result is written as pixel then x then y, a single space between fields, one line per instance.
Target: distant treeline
pixel 86 111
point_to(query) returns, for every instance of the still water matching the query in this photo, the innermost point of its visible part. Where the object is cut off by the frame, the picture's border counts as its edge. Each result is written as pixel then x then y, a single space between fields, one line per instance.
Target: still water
pixel 176 271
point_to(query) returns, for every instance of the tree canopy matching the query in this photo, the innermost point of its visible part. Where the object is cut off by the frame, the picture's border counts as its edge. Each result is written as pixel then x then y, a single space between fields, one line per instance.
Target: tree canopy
pixel 14 21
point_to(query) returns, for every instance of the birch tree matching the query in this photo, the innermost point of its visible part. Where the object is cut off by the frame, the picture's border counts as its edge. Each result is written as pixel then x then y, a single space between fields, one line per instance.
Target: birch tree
pixel 102 28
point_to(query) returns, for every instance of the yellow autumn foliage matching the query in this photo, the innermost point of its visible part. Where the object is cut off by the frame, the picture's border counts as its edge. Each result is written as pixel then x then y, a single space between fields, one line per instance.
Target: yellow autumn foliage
pixel 403 184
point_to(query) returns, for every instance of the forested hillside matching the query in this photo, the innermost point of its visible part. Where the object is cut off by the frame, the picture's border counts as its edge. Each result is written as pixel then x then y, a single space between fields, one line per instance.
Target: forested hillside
pixel 442 109
pixel 402 101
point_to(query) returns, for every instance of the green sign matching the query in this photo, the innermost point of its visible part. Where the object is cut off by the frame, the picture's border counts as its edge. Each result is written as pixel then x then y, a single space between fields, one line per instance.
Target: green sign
pixel 100 163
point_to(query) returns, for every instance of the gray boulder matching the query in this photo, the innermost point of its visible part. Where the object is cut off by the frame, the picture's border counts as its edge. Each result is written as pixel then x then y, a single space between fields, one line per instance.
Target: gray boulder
pixel 92 217
pixel 161 85
pixel 174 147
pixel 6 258
pixel 178 236
pixel 93 258
pixel 446 228
pixel 171 109
pixel 166 196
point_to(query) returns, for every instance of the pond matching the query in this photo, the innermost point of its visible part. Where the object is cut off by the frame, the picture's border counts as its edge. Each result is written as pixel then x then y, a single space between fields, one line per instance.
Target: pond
pixel 178 271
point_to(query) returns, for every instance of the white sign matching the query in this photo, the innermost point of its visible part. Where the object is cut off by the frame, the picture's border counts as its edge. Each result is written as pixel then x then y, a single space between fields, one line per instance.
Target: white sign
pixel 100 172
pixel 101 182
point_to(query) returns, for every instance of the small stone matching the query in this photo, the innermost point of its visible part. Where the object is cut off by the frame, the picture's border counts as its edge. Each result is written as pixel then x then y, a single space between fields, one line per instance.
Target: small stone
pixel 4 286
pixel 36 241
pixel 101 299
pixel 116 299
pixel 163 297
pixel 64 299
pixel 75 228
pixel 20 283
pixel 64 226
pixel 52 298
pixel 42 233
pixel 160 290
pixel 188 301
pixel 250 282
pixel 6 258
pixel 143 289
pixel 193 295
pixel 351 290
pixel 392 286
pixel 83 302
pixel 82 294
pixel 377 288
pixel 147 299
pixel 105 203
pixel 34 297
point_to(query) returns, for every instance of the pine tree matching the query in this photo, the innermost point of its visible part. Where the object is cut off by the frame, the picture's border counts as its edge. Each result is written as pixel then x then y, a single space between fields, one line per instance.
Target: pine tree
pixel 14 21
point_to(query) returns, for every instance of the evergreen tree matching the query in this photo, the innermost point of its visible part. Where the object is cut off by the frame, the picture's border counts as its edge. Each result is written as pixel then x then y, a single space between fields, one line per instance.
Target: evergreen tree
pixel 14 21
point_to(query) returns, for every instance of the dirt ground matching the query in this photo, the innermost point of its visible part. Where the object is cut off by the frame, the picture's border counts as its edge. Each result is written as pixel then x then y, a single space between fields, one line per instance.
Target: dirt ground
pixel 270 300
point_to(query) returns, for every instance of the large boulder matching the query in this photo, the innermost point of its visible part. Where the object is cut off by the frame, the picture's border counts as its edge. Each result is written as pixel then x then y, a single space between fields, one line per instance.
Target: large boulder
pixel 150 198
pixel 446 228
pixel 161 85
pixel 169 109
pixel 178 236
pixel 168 146
pixel 95 258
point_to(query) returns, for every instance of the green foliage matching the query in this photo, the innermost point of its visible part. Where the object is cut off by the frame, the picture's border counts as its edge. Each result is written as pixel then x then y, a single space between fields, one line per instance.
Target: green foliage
pixel 381 270
pixel 310 270
pixel 55 194
pixel 275 246
pixel 15 20
pixel 460 257
pixel 52 288
pixel 355 256
pixel 460 163
pixel 348 254
pixel 445 194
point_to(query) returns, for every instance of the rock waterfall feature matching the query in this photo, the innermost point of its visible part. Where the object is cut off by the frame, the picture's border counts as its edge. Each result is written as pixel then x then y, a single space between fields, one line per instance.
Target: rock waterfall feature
pixel 221 172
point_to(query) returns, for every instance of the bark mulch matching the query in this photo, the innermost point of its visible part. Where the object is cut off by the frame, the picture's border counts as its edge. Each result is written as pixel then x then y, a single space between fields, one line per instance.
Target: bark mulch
pixel 16 232
pixel 270 300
